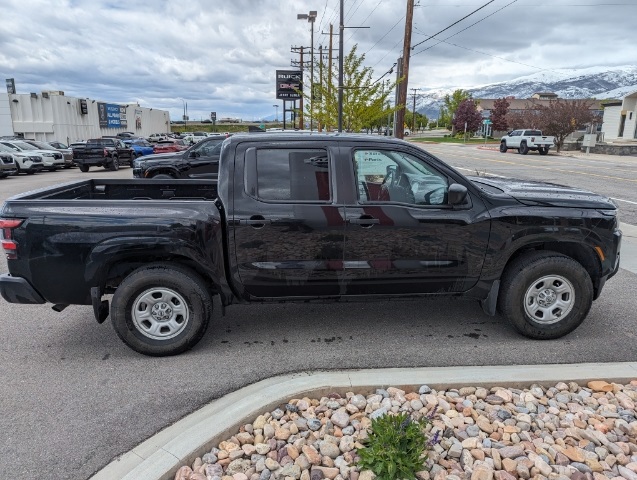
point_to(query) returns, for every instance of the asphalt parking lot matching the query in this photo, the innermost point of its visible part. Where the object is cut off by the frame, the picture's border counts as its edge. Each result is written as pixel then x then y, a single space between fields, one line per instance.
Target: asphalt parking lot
pixel 75 397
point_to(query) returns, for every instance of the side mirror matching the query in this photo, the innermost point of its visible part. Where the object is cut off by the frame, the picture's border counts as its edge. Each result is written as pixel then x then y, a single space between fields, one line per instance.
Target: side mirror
pixel 457 194
pixel 193 154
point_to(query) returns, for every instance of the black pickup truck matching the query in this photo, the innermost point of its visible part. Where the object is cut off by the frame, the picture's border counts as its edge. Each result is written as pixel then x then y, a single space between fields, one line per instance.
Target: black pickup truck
pixel 103 152
pixel 300 217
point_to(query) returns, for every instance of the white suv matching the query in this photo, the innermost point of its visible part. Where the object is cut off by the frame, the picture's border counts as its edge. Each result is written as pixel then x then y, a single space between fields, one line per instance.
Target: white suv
pixel 51 159
pixel 25 162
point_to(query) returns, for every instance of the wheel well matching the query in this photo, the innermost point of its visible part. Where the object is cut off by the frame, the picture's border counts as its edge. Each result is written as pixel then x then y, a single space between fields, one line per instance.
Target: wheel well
pixel 582 254
pixel 119 271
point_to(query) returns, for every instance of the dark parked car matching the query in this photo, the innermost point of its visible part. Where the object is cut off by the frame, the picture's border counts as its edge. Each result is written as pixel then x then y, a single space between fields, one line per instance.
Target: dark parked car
pixel 103 152
pixel 199 161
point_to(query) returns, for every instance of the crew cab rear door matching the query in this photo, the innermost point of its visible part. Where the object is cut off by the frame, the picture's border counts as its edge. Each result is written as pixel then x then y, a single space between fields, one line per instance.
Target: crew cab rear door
pixel 287 225
pixel 402 236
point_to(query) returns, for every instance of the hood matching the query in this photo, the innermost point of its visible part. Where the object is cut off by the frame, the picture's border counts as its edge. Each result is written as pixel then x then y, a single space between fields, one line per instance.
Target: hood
pixel 547 194
pixel 162 156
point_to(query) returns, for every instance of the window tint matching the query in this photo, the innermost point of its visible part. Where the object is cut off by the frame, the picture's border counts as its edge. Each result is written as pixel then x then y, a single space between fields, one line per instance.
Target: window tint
pixel 209 148
pixel 392 176
pixel 534 132
pixel 292 174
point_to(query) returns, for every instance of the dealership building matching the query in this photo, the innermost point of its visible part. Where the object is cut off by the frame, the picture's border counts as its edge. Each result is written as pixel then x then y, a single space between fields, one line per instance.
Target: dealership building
pixel 51 115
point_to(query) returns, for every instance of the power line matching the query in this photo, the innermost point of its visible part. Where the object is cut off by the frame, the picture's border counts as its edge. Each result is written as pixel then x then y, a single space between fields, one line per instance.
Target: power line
pixel 466 28
pixel 388 32
pixel 366 18
pixel 454 23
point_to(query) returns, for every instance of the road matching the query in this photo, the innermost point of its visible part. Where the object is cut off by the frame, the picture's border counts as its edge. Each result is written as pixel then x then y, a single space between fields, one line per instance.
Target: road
pixel 74 397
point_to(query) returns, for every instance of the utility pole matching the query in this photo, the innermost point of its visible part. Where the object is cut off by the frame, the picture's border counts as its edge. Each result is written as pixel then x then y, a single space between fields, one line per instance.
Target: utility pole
pixel 401 102
pixel 320 126
pixel 413 120
pixel 340 68
pixel 300 51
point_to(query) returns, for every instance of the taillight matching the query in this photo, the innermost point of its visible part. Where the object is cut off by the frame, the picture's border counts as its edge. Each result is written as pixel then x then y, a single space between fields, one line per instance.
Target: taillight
pixel 533 139
pixel 6 236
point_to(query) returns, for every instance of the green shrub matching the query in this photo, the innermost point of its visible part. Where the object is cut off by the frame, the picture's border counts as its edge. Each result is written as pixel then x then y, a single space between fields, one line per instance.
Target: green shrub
pixel 396 448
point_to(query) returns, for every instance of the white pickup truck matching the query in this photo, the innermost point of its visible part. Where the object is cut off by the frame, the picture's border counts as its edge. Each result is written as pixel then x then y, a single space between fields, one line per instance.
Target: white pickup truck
pixel 525 140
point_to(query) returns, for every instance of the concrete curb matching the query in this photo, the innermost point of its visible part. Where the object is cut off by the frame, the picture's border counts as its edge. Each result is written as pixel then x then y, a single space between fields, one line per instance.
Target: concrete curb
pixel 159 457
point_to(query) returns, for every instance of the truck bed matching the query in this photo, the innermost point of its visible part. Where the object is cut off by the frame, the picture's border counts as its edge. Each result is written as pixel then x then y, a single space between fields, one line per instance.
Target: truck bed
pixel 116 189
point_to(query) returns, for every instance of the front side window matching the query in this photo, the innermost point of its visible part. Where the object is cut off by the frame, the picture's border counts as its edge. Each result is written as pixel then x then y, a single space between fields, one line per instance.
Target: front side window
pixel 292 175
pixel 393 176
pixel 208 149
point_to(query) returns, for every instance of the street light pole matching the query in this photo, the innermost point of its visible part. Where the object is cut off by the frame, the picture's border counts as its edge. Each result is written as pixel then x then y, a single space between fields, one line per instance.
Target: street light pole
pixel 310 18
pixel 276 117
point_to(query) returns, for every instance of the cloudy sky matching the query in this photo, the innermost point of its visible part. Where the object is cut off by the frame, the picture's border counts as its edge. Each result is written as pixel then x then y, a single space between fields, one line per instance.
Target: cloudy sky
pixel 222 55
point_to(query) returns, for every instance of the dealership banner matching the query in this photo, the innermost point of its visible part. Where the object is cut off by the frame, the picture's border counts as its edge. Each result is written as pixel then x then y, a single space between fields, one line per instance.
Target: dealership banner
pixel 289 84
pixel 111 115
pixel 138 119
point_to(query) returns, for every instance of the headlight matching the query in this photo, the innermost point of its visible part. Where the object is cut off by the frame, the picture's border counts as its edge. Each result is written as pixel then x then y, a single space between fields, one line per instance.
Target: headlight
pixel 48 154
pixel 137 163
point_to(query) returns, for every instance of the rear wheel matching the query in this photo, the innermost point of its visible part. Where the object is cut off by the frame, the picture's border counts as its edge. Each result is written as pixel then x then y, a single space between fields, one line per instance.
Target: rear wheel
pixel 161 310
pixel 545 295
pixel 84 168
pixel 543 150
pixel 503 147
pixel 524 149
pixel 114 164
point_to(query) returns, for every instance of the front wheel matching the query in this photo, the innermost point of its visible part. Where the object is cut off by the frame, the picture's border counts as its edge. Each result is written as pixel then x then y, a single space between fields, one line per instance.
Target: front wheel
pixel 503 147
pixel 162 176
pixel 161 310
pixel 524 148
pixel 84 168
pixel 545 295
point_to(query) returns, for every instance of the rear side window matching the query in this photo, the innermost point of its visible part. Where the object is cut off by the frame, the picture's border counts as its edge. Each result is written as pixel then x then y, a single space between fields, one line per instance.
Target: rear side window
pixel 536 133
pixel 290 175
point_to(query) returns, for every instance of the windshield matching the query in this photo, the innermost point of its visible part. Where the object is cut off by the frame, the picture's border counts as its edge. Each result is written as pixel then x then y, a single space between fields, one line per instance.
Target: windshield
pixel 24 146
pixel 4 148
pixel 44 145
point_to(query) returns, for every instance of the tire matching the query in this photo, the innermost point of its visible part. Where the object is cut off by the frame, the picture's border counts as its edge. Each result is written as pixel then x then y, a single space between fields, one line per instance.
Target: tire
pixel 161 310
pixel 31 172
pixel 84 168
pixel 162 176
pixel 545 295
pixel 114 166
pixel 503 147
pixel 19 171
pixel 543 150
pixel 524 149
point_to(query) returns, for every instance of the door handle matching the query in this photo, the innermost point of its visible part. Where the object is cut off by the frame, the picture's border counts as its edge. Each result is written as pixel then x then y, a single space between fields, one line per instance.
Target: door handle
pixel 257 221
pixel 365 221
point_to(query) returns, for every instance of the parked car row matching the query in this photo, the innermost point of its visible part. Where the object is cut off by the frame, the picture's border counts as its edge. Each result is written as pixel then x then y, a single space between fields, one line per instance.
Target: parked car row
pixel 31 156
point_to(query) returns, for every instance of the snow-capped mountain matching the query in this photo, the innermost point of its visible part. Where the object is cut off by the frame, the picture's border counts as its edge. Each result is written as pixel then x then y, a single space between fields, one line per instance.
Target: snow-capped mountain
pixel 593 82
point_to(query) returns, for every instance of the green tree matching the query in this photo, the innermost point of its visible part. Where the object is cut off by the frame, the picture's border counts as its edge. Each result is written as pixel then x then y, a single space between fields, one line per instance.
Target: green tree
pixel 453 101
pixel 365 102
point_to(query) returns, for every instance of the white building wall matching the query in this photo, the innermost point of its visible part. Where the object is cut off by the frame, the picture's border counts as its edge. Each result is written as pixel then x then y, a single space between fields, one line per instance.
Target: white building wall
pixel 59 118
pixel 610 127
pixel 6 125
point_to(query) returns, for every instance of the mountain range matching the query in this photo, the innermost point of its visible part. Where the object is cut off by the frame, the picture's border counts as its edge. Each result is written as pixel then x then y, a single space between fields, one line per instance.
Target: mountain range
pixel 593 82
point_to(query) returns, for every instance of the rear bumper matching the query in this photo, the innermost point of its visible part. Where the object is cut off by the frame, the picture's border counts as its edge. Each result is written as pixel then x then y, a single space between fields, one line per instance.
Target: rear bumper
pixel 94 162
pixel 18 290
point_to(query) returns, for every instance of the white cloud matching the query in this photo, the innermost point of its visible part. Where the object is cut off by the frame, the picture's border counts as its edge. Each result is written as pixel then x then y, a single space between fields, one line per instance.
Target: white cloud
pixel 222 56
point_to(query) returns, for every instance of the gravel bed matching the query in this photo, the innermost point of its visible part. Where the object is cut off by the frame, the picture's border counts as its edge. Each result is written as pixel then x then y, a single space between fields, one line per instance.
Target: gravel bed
pixel 566 431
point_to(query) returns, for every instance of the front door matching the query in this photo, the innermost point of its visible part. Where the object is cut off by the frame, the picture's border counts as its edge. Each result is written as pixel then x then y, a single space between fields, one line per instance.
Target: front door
pixel 204 159
pixel 287 224
pixel 402 236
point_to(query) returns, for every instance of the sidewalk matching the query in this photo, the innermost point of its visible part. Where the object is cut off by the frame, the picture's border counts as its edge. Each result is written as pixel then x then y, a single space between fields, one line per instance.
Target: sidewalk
pixel 159 457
